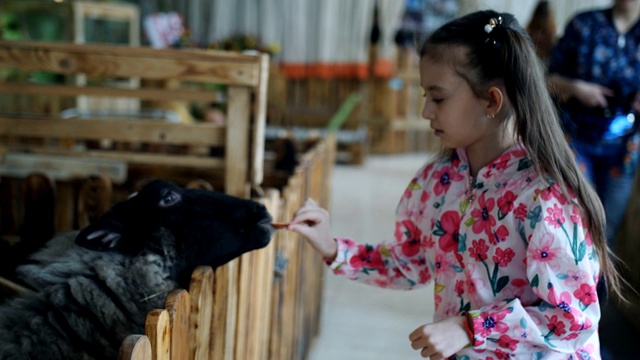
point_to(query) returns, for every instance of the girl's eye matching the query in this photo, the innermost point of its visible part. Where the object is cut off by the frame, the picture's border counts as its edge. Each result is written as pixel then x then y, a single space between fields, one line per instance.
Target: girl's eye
pixel 434 99
pixel 170 198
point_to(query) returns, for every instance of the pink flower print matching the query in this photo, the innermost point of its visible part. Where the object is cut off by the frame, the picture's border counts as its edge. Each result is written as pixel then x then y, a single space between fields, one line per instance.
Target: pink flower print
pixel 587 352
pixel 429 243
pixel 501 162
pixel 368 259
pixel 588 239
pixel 425 275
pixel 500 355
pixel 437 299
pixel 576 217
pixel 488 322
pixel 479 250
pixel 544 250
pixel 521 212
pixel 459 288
pixel 506 202
pixel 413 234
pixel 407 230
pixel 450 226
pixel 575 278
pixel 425 173
pixel 445 177
pixel 571 336
pixel 415 210
pixel 563 301
pixel 501 235
pixel 503 257
pixel 555 325
pixel 425 196
pixel 443 266
pixel 586 294
pixel 414 185
pixel 505 341
pixel 553 192
pixel 555 217
pixel 475 282
pixel 484 221
pixel 576 324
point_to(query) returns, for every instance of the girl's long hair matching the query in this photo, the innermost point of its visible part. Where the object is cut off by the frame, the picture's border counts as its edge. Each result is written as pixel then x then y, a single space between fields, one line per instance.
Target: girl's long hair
pixel 504 54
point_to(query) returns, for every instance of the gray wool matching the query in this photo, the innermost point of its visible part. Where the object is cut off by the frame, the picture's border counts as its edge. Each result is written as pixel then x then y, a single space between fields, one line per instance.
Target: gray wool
pixel 85 300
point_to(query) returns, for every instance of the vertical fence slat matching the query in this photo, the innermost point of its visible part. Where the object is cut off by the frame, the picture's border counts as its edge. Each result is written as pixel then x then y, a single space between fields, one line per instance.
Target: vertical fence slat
pixel 158 330
pixel 201 291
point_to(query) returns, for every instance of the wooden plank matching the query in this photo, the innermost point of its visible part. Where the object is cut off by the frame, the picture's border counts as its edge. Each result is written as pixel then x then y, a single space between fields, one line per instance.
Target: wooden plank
pixel 264 274
pixel 133 158
pixel 135 347
pixel 245 304
pixel 116 129
pixel 178 305
pixel 122 61
pixel 109 91
pixel 158 330
pixel 64 168
pixel 121 11
pixel 217 344
pixel 201 292
pixel 237 161
pixel 259 123
pixel 232 309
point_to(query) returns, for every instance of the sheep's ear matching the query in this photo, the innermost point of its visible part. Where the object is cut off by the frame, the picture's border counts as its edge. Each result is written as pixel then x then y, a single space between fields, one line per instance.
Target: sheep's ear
pixel 100 239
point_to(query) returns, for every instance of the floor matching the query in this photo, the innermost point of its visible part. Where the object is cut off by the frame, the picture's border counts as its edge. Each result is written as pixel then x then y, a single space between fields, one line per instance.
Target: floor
pixel 364 322
pixel 360 321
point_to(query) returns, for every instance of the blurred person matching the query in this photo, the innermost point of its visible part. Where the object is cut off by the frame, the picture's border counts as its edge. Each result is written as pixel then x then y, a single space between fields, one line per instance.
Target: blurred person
pixel 542 29
pixel 595 72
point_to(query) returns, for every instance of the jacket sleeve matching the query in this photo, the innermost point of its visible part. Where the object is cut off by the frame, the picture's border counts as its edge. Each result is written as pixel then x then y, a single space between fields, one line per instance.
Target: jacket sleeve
pixel 562 270
pixel 398 263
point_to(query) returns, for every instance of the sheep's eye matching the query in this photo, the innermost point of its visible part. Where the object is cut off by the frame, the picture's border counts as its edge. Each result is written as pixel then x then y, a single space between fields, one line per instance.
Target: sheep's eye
pixel 170 198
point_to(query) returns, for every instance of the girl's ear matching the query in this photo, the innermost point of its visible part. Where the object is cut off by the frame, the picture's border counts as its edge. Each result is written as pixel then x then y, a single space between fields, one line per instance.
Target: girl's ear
pixel 496 100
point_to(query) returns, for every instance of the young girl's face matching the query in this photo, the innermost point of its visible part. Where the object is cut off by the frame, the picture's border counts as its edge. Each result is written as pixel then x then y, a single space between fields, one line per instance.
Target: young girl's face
pixel 458 117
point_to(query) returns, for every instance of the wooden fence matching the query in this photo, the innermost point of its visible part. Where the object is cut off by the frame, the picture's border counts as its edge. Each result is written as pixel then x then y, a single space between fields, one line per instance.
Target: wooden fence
pixel 264 305
pixel 280 289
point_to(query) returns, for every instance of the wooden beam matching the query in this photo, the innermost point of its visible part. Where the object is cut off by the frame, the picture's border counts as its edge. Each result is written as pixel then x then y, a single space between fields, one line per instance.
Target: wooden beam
pixel 116 130
pixel 123 61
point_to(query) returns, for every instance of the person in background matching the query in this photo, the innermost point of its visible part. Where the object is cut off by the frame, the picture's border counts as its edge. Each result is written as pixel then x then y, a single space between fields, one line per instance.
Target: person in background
pixel 542 30
pixel 503 220
pixel 595 72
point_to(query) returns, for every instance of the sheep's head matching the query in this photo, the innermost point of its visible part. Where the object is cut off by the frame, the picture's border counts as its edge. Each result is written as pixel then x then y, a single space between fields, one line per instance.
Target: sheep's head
pixel 207 227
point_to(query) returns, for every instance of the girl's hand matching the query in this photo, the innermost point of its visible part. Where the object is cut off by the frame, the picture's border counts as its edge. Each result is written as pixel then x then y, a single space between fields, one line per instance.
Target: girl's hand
pixel 441 339
pixel 312 222
pixel 590 94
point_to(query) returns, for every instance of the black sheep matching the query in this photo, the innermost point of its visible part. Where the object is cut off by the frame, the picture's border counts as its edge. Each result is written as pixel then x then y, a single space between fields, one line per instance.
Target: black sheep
pixel 91 296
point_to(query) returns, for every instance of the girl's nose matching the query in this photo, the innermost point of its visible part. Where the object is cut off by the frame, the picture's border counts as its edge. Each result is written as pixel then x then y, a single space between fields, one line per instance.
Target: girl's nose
pixel 427 111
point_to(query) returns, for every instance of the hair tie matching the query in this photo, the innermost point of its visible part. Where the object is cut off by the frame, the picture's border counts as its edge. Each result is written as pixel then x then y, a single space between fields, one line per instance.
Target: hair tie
pixel 493 22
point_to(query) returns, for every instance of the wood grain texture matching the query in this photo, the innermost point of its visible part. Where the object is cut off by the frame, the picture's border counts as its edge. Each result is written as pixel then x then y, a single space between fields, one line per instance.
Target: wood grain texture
pixel 123 61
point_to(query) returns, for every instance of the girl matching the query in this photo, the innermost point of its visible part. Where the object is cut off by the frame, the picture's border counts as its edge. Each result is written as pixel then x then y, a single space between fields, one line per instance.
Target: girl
pixel 502 221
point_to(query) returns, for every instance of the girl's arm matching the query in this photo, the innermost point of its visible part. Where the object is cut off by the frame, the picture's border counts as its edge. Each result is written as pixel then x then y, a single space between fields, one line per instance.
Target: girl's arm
pixel 400 263
pixel 562 270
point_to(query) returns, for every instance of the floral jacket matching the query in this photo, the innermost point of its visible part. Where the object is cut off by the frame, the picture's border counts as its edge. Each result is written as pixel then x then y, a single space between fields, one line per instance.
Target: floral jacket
pixel 506 247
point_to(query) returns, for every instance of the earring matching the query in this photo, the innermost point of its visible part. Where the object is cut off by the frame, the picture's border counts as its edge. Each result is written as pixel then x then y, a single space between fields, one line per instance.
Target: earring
pixel 491 116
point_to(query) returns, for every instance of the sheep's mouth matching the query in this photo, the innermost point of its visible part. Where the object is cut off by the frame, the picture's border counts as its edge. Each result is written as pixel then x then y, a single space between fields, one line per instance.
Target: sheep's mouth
pixel 264 227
